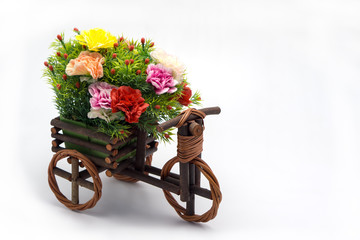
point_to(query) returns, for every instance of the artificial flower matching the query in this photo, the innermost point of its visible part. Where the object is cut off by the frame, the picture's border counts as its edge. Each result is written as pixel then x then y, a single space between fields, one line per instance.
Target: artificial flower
pixel 129 101
pixel 100 95
pixel 96 39
pixel 86 63
pixel 101 113
pixel 185 96
pixel 161 79
pixel 171 62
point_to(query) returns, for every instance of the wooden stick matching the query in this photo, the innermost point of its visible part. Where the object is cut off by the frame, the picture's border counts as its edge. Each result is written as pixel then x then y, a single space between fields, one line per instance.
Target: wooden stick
pixel 184 170
pixel 124 151
pixel 96 160
pixel 55 130
pixel 195 129
pixel 123 164
pixel 82 143
pixel 56 142
pixel 81 130
pixel 151 180
pixel 172 122
pixel 82 182
pixel 190 205
pixel 140 150
pixel 74 177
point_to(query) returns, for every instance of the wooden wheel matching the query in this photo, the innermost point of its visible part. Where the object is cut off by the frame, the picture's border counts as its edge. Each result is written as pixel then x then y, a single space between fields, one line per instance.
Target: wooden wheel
pixel 77 179
pixel 125 178
pixel 216 195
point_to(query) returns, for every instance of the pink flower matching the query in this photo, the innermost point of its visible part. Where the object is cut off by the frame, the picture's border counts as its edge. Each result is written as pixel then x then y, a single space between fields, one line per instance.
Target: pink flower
pixel 161 78
pixel 100 92
pixel 86 63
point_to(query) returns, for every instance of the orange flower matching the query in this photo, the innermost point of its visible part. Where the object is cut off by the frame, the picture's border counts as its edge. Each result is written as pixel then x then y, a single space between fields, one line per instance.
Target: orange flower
pixel 86 63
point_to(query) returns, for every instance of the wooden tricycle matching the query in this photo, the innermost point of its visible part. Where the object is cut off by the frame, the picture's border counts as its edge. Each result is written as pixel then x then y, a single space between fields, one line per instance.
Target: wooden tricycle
pixel 130 160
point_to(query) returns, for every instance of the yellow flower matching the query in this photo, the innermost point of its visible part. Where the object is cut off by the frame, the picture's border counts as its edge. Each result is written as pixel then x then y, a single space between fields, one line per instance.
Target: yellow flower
pixel 96 38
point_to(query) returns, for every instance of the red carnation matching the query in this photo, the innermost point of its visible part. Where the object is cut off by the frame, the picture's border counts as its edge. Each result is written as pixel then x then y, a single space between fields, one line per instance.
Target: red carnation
pixel 185 96
pixel 129 101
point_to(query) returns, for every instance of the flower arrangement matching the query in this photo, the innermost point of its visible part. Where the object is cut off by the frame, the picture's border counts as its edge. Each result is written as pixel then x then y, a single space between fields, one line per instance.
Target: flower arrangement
pixel 115 84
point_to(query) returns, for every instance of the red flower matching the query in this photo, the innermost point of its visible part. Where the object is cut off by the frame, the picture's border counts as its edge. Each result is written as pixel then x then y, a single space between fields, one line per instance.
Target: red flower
pixel 114 55
pixel 116 45
pixel 142 40
pixel 59 37
pixel 185 96
pixel 112 71
pixel 138 72
pixel 65 56
pixel 152 44
pixel 129 101
pixel 147 61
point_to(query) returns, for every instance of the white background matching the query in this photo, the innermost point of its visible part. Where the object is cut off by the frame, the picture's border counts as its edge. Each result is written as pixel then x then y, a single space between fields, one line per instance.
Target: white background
pixel 285 147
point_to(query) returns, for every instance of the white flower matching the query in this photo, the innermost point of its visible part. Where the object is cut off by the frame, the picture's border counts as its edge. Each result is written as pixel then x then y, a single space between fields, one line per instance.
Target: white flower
pixel 171 62
pixel 104 114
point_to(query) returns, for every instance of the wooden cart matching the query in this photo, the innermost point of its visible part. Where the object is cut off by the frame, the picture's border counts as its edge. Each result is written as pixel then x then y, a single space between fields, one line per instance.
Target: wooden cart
pixel 137 150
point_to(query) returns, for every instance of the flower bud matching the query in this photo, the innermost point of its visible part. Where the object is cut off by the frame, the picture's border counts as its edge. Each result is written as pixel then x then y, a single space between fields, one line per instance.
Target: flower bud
pixel 65 77
pixel 116 45
pixel 138 72
pixel 166 135
pixel 147 61
pixel 122 131
pixel 59 37
pixel 169 107
pixel 59 54
pixel 46 64
pixel 76 30
pixel 51 68
pixel 112 71
pixel 121 39
pixel 152 44
pixel 65 56
pixel 157 106
pixel 114 55
pixel 77 84
pixel 142 40
pixel 131 47
pixel 131 61
pixel 84 46
pixel 58 86
pixel 127 62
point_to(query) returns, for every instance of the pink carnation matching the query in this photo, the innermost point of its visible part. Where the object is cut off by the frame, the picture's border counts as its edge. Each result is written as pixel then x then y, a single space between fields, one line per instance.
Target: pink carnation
pixel 100 92
pixel 161 78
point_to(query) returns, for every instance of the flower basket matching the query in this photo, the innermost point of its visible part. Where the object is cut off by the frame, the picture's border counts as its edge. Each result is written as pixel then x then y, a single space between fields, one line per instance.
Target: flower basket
pixel 117 98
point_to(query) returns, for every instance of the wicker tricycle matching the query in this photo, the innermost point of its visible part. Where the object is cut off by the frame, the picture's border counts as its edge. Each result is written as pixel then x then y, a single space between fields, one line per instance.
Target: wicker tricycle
pixel 117 161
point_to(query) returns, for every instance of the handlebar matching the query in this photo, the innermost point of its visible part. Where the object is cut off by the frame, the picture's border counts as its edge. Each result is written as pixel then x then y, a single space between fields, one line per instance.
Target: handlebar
pixel 173 122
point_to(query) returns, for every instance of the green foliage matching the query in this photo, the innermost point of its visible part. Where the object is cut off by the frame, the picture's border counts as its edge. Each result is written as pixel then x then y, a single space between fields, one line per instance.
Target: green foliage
pixel 72 96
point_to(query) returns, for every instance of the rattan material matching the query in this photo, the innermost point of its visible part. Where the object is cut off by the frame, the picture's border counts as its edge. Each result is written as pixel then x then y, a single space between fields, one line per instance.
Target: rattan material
pixel 189 148
pixel 214 186
pixel 90 167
